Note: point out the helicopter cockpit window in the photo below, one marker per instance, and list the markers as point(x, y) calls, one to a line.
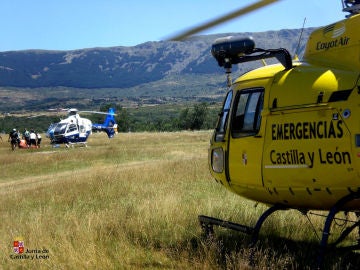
point(60, 129)
point(223, 117)
point(247, 116)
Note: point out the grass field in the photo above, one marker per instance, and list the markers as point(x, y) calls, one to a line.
point(132, 203)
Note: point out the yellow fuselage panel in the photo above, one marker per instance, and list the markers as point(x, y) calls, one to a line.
point(306, 84)
point(336, 45)
point(308, 153)
point(305, 153)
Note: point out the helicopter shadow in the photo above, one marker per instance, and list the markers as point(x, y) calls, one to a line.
point(232, 250)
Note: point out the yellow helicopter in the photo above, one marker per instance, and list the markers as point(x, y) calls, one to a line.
point(288, 134)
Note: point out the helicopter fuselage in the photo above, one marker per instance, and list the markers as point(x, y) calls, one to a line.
point(76, 130)
point(292, 136)
point(73, 129)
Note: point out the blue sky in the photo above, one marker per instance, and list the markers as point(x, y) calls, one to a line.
point(77, 24)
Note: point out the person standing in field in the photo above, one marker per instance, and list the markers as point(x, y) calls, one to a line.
point(13, 138)
point(33, 139)
point(26, 136)
point(38, 137)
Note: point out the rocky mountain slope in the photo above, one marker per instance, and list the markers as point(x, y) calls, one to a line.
point(126, 67)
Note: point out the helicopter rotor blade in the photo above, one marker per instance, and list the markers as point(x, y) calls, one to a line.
point(220, 20)
point(37, 115)
point(96, 112)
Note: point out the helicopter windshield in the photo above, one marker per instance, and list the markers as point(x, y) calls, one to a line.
point(223, 117)
point(60, 129)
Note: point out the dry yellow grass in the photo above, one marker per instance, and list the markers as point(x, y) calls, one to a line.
point(132, 203)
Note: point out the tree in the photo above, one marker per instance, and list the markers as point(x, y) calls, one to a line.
point(123, 120)
point(199, 116)
point(184, 122)
point(195, 119)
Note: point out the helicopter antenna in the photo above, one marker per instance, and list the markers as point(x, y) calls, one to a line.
point(300, 37)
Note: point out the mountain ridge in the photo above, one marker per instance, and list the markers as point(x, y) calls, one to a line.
point(148, 73)
point(123, 67)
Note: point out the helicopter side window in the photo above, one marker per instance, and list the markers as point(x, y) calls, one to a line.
point(82, 129)
point(72, 127)
point(247, 116)
point(223, 117)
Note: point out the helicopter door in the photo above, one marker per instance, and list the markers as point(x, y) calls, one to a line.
point(82, 131)
point(245, 143)
point(72, 131)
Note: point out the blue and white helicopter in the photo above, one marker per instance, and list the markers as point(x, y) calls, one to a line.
point(76, 129)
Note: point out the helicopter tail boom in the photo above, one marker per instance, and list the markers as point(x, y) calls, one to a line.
point(109, 125)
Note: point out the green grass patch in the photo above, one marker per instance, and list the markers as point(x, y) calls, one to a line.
point(132, 203)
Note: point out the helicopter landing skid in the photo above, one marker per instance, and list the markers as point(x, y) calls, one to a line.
point(207, 224)
point(326, 231)
point(68, 145)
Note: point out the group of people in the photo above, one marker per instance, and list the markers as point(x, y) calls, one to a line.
point(26, 140)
